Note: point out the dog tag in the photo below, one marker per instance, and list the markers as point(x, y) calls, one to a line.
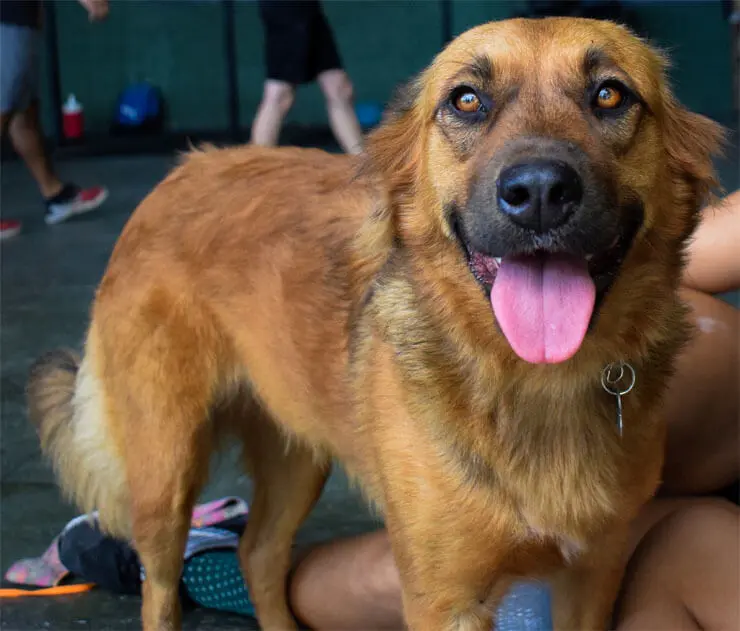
point(616, 383)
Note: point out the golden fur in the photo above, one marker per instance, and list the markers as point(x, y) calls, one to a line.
point(319, 307)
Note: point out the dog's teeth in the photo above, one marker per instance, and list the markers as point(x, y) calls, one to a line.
point(589, 257)
point(497, 259)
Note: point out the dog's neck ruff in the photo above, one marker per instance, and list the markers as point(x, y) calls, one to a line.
point(618, 382)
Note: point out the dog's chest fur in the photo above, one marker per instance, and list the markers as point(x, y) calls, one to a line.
point(551, 456)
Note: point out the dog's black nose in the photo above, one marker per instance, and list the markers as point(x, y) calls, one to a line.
point(539, 195)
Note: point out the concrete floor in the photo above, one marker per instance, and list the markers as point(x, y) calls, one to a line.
point(48, 279)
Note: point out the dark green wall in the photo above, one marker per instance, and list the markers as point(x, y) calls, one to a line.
point(178, 45)
point(174, 44)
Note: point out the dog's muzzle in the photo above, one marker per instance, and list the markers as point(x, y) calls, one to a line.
point(544, 236)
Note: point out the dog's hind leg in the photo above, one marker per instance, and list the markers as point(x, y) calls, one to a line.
point(163, 403)
point(288, 478)
point(167, 464)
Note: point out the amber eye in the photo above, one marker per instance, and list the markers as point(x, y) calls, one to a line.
point(609, 97)
point(467, 101)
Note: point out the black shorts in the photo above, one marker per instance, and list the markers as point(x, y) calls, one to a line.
point(299, 44)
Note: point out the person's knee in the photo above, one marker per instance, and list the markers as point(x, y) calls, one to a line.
point(704, 535)
point(684, 529)
point(337, 87)
point(681, 528)
point(387, 580)
point(26, 119)
point(660, 578)
point(706, 515)
point(278, 96)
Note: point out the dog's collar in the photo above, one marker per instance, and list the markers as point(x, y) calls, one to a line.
point(616, 382)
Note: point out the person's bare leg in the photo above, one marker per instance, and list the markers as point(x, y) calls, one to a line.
point(685, 572)
point(348, 584)
point(703, 402)
point(24, 129)
point(277, 99)
point(337, 89)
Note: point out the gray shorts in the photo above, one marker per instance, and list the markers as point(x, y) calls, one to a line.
point(19, 67)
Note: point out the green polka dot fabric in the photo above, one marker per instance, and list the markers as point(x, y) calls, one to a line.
point(214, 580)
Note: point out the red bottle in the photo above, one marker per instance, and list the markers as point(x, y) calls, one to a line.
point(73, 119)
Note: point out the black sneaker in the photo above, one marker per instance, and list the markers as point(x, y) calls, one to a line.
point(98, 558)
point(71, 201)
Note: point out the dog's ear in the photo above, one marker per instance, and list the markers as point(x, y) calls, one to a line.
point(391, 161)
point(692, 142)
point(393, 150)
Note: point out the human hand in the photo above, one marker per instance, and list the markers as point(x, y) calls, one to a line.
point(97, 10)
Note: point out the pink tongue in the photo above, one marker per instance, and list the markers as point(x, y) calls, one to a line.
point(543, 305)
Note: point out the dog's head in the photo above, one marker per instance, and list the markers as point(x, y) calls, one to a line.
point(541, 153)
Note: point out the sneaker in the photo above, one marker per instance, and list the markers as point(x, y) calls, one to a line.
point(9, 228)
point(86, 552)
point(71, 201)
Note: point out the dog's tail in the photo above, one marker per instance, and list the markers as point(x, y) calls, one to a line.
point(65, 405)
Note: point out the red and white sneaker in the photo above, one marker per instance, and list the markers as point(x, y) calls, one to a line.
point(9, 228)
point(73, 201)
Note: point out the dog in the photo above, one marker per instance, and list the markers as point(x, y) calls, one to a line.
point(456, 316)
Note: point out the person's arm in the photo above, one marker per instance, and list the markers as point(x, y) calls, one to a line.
point(714, 252)
point(96, 9)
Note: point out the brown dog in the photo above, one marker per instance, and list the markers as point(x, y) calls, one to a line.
point(437, 316)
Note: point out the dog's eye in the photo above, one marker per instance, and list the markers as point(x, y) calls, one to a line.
point(611, 97)
point(466, 101)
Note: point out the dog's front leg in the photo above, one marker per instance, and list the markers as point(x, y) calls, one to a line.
point(585, 592)
point(438, 601)
point(442, 590)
